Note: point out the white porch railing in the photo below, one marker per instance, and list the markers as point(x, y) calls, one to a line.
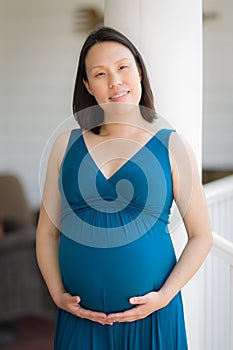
point(219, 195)
point(218, 289)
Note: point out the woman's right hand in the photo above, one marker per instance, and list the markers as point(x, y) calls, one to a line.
point(71, 304)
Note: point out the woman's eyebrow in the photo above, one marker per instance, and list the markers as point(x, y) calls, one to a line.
point(102, 66)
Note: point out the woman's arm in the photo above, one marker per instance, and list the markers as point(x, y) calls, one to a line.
point(190, 199)
point(48, 238)
point(48, 232)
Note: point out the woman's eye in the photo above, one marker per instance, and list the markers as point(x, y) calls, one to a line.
point(123, 67)
point(100, 74)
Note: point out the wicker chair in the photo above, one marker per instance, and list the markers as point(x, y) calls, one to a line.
point(22, 289)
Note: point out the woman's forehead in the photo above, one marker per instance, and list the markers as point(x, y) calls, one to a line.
point(108, 50)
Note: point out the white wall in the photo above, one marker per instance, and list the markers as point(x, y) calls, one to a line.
point(218, 86)
point(39, 50)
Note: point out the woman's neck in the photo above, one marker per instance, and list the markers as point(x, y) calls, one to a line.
point(121, 124)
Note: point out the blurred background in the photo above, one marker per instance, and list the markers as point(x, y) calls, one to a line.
point(39, 48)
point(217, 89)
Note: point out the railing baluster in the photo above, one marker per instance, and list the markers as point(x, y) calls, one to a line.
point(231, 307)
point(219, 267)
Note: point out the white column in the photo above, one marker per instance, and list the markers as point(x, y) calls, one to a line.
point(169, 36)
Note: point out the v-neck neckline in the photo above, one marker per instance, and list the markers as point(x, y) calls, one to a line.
point(123, 164)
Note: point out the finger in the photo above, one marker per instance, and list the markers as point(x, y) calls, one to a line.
point(127, 319)
point(115, 317)
point(76, 299)
point(137, 300)
point(92, 315)
point(122, 316)
point(134, 314)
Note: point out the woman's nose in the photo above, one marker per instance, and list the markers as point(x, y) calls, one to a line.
point(114, 80)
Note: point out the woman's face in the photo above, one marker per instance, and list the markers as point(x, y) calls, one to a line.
point(112, 74)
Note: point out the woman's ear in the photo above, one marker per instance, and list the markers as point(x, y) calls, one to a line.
point(85, 82)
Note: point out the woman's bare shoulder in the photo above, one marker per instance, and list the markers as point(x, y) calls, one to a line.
point(62, 139)
point(59, 147)
point(180, 147)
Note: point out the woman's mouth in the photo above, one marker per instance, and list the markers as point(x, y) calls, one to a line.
point(119, 97)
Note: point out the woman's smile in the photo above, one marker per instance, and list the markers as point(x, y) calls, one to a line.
point(119, 97)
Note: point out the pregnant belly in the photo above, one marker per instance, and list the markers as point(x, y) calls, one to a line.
point(105, 278)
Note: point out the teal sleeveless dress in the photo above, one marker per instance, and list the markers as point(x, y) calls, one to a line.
point(114, 245)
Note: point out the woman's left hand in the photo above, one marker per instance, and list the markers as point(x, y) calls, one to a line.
point(145, 305)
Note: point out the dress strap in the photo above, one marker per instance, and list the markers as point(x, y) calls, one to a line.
point(164, 135)
point(74, 135)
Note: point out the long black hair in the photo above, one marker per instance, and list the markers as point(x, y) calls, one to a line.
point(92, 118)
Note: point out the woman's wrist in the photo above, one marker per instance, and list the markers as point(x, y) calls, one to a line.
point(165, 297)
point(57, 297)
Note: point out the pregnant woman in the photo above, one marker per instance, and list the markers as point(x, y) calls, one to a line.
point(103, 243)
